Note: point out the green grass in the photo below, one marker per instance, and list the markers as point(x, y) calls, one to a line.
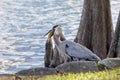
point(102, 75)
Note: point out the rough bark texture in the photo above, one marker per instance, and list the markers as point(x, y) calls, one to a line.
point(115, 45)
point(95, 30)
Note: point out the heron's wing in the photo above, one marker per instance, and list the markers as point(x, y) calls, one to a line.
point(76, 50)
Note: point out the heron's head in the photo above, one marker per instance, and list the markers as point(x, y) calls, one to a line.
point(55, 30)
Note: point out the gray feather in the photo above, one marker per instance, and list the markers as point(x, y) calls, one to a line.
point(78, 51)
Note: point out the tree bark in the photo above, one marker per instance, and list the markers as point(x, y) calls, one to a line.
point(95, 30)
point(115, 45)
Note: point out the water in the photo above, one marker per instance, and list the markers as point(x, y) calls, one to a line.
point(23, 22)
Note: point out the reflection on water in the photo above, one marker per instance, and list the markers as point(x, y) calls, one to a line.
point(23, 22)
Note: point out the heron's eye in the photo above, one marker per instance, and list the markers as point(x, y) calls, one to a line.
point(67, 46)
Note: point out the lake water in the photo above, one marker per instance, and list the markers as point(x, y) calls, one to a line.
point(23, 22)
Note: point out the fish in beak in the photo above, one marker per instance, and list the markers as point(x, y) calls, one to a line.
point(51, 32)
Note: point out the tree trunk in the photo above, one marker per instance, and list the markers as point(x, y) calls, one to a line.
point(115, 45)
point(95, 30)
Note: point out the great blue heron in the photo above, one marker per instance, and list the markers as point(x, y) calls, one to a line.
point(68, 49)
point(52, 56)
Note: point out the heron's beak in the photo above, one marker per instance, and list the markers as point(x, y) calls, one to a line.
point(49, 33)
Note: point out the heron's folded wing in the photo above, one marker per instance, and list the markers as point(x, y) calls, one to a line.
point(79, 51)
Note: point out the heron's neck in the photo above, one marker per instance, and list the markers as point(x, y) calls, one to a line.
point(62, 37)
point(57, 39)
